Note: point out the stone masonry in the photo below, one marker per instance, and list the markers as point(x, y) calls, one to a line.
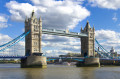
point(87, 43)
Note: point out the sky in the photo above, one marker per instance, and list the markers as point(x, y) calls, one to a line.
point(62, 14)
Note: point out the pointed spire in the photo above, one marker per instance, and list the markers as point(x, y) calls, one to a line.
point(32, 13)
point(112, 48)
point(87, 21)
point(40, 19)
point(26, 19)
point(81, 28)
point(87, 25)
point(93, 28)
point(33, 10)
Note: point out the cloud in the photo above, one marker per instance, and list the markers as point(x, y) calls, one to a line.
point(114, 17)
point(4, 38)
point(3, 25)
point(106, 34)
point(108, 38)
point(56, 52)
point(3, 21)
point(17, 49)
point(51, 48)
point(56, 45)
point(55, 14)
point(109, 4)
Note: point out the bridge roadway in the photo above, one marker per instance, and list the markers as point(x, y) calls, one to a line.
point(76, 58)
point(14, 57)
point(63, 33)
point(65, 57)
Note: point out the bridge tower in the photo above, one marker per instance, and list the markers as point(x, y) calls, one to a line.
point(87, 48)
point(33, 49)
point(87, 43)
point(33, 40)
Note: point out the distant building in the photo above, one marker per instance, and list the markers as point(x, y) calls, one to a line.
point(113, 53)
point(71, 55)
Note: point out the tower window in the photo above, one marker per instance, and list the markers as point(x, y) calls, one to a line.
point(35, 36)
point(35, 43)
point(36, 28)
point(35, 49)
point(34, 21)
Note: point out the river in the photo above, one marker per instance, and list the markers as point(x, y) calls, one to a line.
point(13, 71)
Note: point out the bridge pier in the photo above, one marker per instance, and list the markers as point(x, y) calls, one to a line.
point(34, 62)
point(89, 62)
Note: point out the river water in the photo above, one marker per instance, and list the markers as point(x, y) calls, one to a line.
point(13, 71)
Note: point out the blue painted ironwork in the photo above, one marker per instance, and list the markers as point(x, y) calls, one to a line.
point(13, 57)
point(12, 40)
point(105, 51)
point(15, 42)
point(73, 58)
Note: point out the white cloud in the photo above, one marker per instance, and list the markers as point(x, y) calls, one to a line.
point(3, 21)
point(107, 34)
point(57, 52)
point(4, 38)
point(115, 17)
point(55, 14)
point(108, 38)
point(3, 25)
point(22, 43)
point(56, 45)
point(48, 46)
point(17, 49)
point(109, 4)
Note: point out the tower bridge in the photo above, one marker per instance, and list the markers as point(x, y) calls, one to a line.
point(33, 41)
point(33, 50)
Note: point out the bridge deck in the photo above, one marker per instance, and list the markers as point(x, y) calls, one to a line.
point(17, 57)
point(63, 33)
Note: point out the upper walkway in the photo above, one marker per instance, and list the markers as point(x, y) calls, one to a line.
point(63, 33)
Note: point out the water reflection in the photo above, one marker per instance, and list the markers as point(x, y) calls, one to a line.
point(87, 72)
point(34, 73)
point(9, 71)
point(60, 72)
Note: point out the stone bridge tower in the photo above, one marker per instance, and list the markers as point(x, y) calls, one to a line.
point(87, 48)
point(87, 43)
point(33, 43)
point(33, 40)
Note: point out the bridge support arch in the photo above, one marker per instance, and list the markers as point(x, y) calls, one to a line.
point(33, 49)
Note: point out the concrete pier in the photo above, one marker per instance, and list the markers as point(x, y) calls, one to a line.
point(34, 62)
point(89, 62)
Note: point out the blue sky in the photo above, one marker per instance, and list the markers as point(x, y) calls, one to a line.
point(63, 14)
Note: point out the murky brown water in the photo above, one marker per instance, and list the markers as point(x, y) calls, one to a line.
point(13, 71)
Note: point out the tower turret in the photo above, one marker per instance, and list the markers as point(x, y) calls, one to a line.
point(93, 28)
point(32, 13)
point(81, 28)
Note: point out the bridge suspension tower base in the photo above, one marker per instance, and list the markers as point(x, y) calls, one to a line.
point(34, 62)
point(89, 62)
